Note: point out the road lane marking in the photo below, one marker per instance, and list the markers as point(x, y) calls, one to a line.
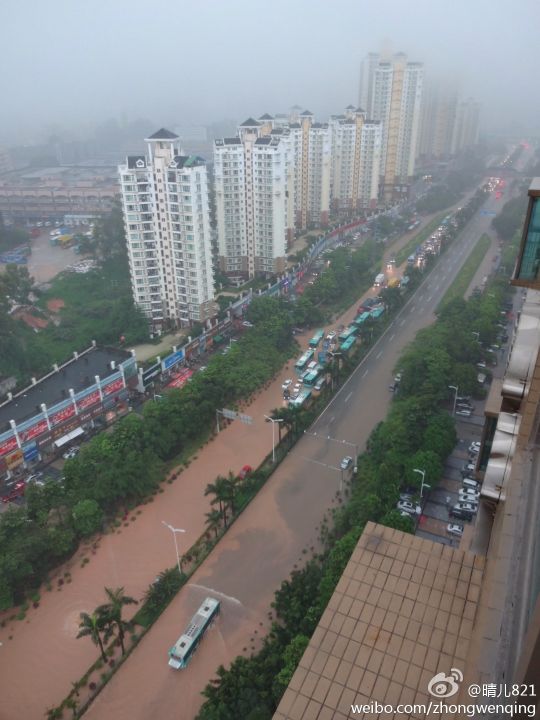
point(348, 397)
point(378, 355)
point(392, 336)
point(413, 308)
point(402, 322)
point(365, 373)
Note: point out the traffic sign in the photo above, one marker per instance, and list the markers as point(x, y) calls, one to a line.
point(246, 419)
point(229, 414)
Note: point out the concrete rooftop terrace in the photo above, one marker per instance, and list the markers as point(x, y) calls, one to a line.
point(402, 612)
point(76, 374)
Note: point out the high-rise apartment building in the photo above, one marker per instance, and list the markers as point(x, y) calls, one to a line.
point(252, 186)
point(439, 106)
point(356, 160)
point(392, 93)
point(466, 126)
point(166, 216)
point(311, 157)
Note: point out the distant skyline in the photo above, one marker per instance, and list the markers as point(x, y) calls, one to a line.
point(69, 66)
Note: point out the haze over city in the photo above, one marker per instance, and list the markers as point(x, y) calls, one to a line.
point(70, 65)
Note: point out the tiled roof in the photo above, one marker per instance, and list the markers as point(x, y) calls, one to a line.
point(163, 134)
point(401, 613)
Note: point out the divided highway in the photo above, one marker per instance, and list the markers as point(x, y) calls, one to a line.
point(278, 531)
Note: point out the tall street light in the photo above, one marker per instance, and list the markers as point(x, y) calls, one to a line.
point(455, 389)
point(273, 421)
point(423, 485)
point(174, 531)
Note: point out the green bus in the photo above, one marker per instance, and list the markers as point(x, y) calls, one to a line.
point(361, 319)
point(312, 376)
point(347, 333)
point(316, 339)
point(302, 361)
point(347, 345)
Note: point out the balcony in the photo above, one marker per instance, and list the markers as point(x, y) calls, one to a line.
point(528, 263)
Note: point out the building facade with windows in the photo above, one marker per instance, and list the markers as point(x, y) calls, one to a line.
point(252, 176)
point(356, 159)
point(392, 90)
point(466, 126)
point(166, 216)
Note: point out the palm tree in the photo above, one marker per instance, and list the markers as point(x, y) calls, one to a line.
point(93, 625)
point(111, 613)
point(213, 520)
point(221, 491)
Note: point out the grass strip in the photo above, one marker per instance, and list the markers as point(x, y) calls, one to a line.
point(458, 288)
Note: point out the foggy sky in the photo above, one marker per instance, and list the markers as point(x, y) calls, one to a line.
point(69, 63)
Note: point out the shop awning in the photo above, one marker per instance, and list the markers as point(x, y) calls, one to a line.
point(70, 436)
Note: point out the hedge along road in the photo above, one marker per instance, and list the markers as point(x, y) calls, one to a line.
point(267, 541)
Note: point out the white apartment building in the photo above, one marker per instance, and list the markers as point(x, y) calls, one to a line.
point(393, 91)
point(311, 151)
point(166, 216)
point(356, 161)
point(252, 178)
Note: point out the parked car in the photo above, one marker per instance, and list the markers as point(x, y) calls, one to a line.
point(247, 324)
point(17, 492)
point(471, 507)
point(461, 514)
point(286, 384)
point(34, 477)
point(71, 452)
point(470, 483)
point(453, 529)
point(346, 462)
point(464, 413)
point(331, 335)
point(244, 472)
point(409, 507)
point(467, 469)
point(468, 495)
point(474, 447)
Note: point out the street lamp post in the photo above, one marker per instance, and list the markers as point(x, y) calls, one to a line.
point(273, 421)
point(424, 484)
point(455, 389)
point(174, 531)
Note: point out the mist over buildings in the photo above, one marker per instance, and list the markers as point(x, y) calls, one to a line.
point(69, 66)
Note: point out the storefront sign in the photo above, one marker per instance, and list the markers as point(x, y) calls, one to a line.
point(62, 415)
point(34, 431)
point(173, 359)
point(30, 452)
point(8, 445)
point(14, 459)
point(88, 400)
point(113, 387)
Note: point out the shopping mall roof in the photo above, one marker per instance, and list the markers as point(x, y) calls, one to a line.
point(402, 612)
point(76, 374)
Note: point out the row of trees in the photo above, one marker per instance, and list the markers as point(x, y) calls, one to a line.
point(125, 465)
point(418, 432)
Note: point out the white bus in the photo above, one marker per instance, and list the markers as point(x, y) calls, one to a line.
point(182, 651)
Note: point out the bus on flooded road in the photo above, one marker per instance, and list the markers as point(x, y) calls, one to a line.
point(302, 361)
point(316, 339)
point(182, 651)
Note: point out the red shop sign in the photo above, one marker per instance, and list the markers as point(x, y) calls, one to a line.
point(32, 432)
point(117, 384)
point(8, 445)
point(62, 415)
point(88, 400)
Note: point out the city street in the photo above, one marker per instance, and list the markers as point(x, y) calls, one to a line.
point(278, 530)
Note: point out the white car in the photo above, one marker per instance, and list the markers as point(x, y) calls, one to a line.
point(71, 453)
point(464, 413)
point(286, 384)
point(474, 447)
point(346, 462)
point(409, 507)
point(247, 324)
point(468, 506)
point(331, 335)
point(454, 529)
point(467, 494)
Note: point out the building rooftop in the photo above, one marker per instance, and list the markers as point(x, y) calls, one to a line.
point(76, 374)
point(163, 134)
point(402, 612)
point(250, 122)
point(266, 116)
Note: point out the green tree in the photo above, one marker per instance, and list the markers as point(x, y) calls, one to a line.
point(87, 517)
point(92, 626)
point(111, 614)
point(291, 657)
point(394, 519)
